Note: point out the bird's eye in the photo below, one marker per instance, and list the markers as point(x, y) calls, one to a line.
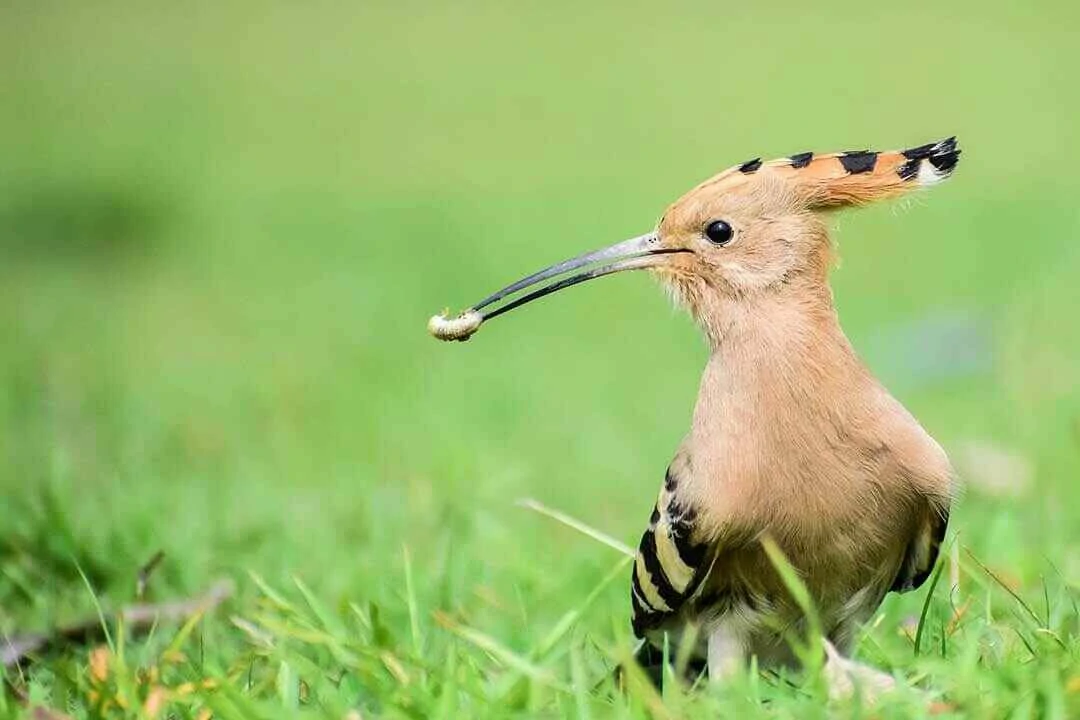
point(719, 232)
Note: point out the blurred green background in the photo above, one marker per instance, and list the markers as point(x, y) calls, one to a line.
point(224, 226)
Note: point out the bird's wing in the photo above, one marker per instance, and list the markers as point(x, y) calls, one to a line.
point(673, 557)
point(922, 552)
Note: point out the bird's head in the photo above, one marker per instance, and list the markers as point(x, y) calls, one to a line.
point(754, 229)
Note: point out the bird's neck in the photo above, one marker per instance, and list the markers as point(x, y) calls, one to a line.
point(802, 315)
point(778, 362)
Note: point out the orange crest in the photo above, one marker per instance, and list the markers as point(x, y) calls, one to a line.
point(847, 178)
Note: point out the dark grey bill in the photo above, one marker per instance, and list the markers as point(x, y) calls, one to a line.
point(633, 254)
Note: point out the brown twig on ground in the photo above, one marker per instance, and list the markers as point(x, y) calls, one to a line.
point(15, 649)
point(144, 573)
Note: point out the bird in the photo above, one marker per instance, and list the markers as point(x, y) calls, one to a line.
point(792, 439)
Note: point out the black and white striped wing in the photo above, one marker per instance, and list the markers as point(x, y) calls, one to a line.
point(672, 559)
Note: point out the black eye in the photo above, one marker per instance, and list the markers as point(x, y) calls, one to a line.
point(719, 232)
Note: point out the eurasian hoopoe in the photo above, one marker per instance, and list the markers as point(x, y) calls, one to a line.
point(792, 437)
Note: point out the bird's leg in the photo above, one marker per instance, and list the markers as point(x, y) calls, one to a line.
point(727, 651)
point(846, 677)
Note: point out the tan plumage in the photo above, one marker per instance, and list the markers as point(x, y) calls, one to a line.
point(791, 436)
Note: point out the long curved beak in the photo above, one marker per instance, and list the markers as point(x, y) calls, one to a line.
point(634, 254)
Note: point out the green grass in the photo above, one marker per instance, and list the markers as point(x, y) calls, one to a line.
point(222, 230)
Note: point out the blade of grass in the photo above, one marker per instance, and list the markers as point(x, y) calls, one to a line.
point(926, 605)
point(497, 650)
point(257, 635)
point(185, 631)
point(671, 684)
point(576, 524)
point(1046, 599)
point(327, 621)
point(993, 576)
point(687, 644)
point(1067, 590)
point(794, 584)
point(288, 686)
point(562, 627)
point(271, 594)
point(303, 634)
point(410, 599)
point(641, 688)
point(448, 700)
point(1024, 640)
point(1053, 636)
point(581, 684)
point(97, 608)
point(566, 622)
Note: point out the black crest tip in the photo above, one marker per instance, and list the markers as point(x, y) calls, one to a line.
point(858, 161)
point(945, 162)
point(908, 170)
point(942, 156)
point(750, 166)
point(801, 160)
point(923, 152)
